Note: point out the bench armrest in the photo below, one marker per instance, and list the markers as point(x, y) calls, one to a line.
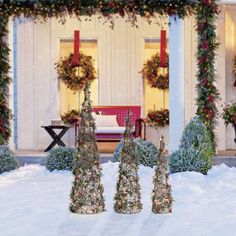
point(140, 125)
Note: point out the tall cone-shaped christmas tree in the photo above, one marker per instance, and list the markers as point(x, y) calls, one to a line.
point(127, 198)
point(162, 198)
point(87, 190)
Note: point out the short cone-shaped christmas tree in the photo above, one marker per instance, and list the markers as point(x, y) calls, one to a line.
point(127, 198)
point(162, 198)
point(87, 190)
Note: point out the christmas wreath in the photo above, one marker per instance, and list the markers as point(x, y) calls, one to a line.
point(152, 72)
point(75, 76)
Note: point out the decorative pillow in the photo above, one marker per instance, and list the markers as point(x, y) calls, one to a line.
point(106, 121)
point(94, 114)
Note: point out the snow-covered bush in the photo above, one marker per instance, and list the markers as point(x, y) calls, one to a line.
point(146, 152)
point(195, 149)
point(7, 159)
point(61, 158)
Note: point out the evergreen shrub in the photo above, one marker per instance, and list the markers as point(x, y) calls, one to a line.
point(61, 158)
point(145, 151)
point(7, 159)
point(195, 151)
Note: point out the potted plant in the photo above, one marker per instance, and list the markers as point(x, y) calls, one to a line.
point(229, 115)
point(71, 117)
point(158, 118)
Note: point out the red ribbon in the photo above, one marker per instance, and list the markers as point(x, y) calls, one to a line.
point(163, 49)
point(76, 48)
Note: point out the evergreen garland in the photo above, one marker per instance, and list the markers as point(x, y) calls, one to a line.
point(41, 9)
point(87, 190)
point(206, 13)
point(5, 113)
point(127, 198)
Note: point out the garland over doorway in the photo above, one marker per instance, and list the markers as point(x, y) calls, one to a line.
point(205, 10)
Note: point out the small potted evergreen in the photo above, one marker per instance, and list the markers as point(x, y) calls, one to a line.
point(229, 115)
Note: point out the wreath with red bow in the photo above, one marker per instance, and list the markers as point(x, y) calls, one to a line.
point(157, 76)
point(73, 76)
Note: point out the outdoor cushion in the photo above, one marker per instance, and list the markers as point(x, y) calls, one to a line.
point(106, 121)
point(110, 130)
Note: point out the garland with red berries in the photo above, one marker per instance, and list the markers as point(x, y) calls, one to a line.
point(206, 13)
point(5, 113)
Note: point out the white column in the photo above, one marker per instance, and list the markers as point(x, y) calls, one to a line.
point(177, 114)
point(225, 26)
point(11, 87)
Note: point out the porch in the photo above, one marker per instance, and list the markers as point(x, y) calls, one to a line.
point(27, 157)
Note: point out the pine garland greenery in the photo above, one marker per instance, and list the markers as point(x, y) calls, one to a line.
point(5, 113)
point(206, 13)
point(41, 9)
point(87, 189)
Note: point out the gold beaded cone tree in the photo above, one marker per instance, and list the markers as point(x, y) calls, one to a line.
point(127, 198)
point(161, 198)
point(87, 190)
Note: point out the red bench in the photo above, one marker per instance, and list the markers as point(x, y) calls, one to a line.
point(121, 113)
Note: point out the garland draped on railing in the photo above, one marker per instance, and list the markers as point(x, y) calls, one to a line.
point(206, 13)
point(5, 113)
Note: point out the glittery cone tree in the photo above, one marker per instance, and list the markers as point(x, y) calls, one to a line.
point(127, 198)
point(162, 198)
point(87, 190)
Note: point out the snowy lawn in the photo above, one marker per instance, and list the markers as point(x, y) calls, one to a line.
point(35, 202)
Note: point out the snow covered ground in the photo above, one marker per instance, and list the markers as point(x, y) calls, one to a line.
point(35, 202)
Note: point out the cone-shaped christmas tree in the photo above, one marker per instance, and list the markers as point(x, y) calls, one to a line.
point(127, 198)
point(87, 190)
point(162, 198)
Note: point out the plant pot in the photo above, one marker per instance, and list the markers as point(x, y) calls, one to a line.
point(234, 125)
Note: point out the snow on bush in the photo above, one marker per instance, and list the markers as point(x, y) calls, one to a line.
point(145, 151)
point(7, 159)
point(195, 149)
point(61, 158)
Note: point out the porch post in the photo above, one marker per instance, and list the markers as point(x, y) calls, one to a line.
point(11, 86)
point(176, 82)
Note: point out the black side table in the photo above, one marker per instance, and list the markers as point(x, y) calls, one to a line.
point(56, 137)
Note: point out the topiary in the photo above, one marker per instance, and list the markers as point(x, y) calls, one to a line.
point(195, 151)
point(61, 158)
point(7, 159)
point(145, 151)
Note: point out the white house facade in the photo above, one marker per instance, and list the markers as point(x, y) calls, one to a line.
point(36, 95)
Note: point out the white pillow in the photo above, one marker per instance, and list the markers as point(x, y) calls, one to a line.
point(106, 121)
point(94, 115)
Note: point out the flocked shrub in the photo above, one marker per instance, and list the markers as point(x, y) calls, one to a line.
point(195, 151)
point(146, 152)
point(61, 158)
point(7, 159)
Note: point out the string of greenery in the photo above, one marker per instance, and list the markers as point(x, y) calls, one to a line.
point(5, 113)
point(61, 8)
point(206, 14)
